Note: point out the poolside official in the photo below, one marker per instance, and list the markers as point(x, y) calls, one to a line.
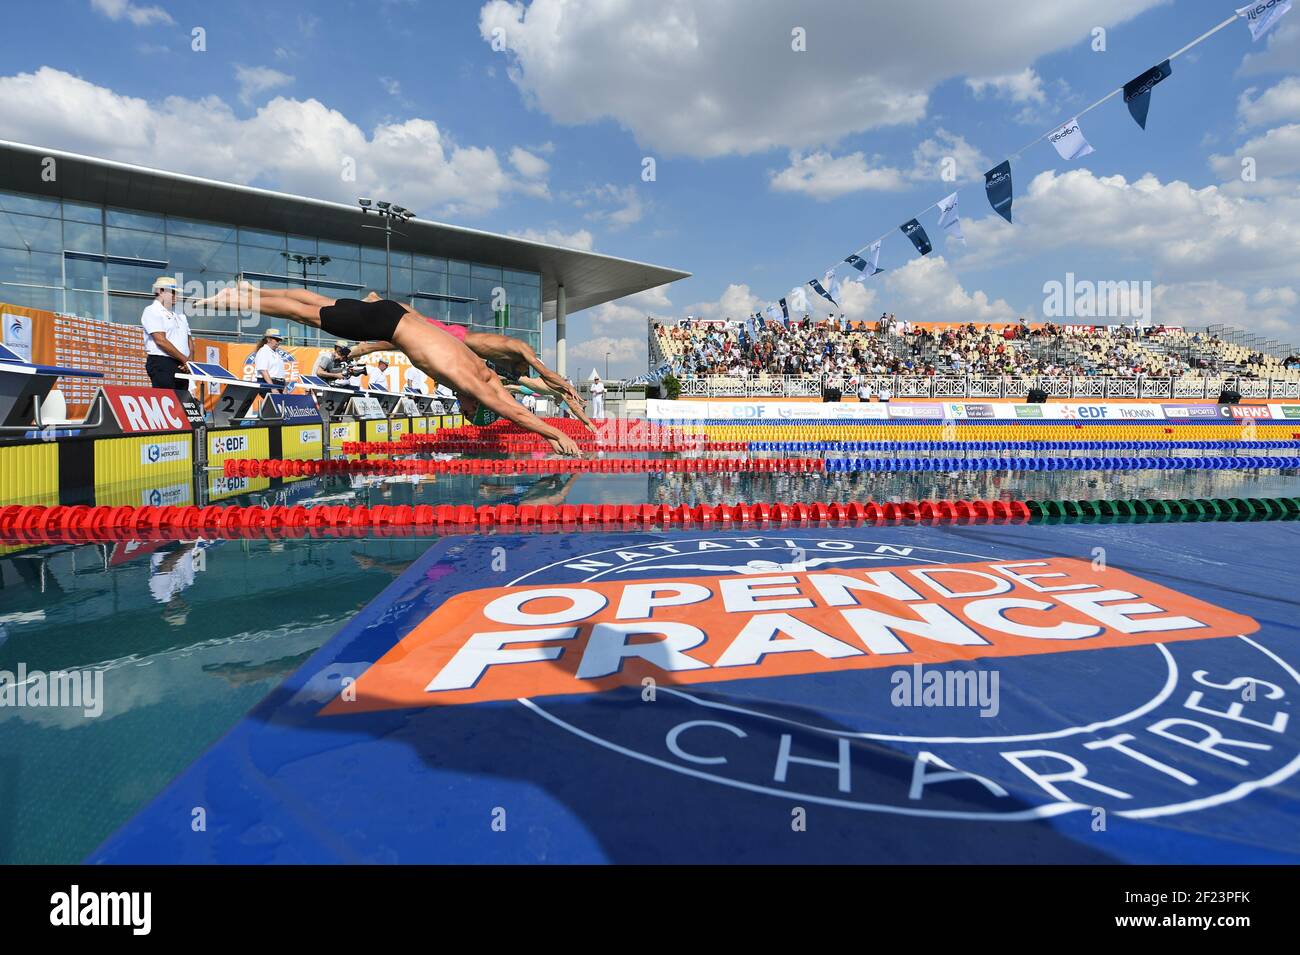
point(167, 344)
point(268, 365)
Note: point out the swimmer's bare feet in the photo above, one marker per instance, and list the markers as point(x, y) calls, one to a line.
point(241, 298)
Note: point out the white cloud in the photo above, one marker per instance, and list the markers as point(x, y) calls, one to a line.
point(140, 16)
point(1170, 231)
point(1197, 304)
point(580, 240)
point(616, 206)
point(721, 78)
point(1280, 102)
point(300, 146)
point(823, 176)
point(533, 170)
point(1276, 153)
point(628, 314)
point(736, 302)
point(620, 350)
point(930, 155)
point(255, 80)
point(926, 289)
point(1023, 87)
point(528, 164)
point(1281, 55)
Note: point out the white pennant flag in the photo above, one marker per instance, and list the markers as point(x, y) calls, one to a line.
point(1068, 140)
point(873, 256)
point(1263, 15)
point(949, 221)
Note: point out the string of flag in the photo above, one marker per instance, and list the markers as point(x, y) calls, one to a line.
point(1068, 140)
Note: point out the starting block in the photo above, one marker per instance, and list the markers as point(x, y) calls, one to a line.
point(24, 386)
point(388, 400)
point(418, 403)
point(236, 397)
point(331, 399)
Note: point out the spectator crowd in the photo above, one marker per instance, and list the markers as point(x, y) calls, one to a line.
point(840, 350)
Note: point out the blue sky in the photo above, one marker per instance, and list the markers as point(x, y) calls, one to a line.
point(770, 164)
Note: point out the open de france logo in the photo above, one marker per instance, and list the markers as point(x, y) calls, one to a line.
point(870, 675)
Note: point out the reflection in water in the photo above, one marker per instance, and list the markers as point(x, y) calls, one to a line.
point(191, 634)
point(177, 670)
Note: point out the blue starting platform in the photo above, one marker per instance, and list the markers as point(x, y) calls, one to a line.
point(910, 694)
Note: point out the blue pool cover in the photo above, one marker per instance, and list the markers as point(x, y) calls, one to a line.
point(910, 694)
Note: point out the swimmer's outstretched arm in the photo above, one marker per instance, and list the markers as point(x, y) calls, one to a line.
point(491, 345)
point(465, 374)
point(541, 387)
point(366, 348)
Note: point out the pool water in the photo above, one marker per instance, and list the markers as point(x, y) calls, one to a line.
point(191, 635)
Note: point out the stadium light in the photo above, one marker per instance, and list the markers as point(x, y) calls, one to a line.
point(388, 211)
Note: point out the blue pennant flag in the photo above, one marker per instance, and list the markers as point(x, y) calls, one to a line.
point(1137, 91)
point(785, 312)
point(817, 287)
point(913, 230)
point(997, 184)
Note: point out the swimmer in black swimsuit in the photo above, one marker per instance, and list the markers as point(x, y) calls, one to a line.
point(510, 357)
point(433, 351)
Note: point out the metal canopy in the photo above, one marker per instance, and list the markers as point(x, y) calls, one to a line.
point(588, 277)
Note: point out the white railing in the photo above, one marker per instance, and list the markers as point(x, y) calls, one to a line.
point(947, 386)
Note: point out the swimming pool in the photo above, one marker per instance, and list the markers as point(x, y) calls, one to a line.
point(190, 635)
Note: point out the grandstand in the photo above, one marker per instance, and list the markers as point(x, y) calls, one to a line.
point(975, 360)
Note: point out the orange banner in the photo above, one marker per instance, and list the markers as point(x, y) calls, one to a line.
point(503, 643)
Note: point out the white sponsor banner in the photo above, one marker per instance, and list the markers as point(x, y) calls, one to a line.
point(931, 411)
point(165, 452)
point(17, 335)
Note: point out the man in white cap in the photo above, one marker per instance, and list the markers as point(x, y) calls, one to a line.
point(167, 344)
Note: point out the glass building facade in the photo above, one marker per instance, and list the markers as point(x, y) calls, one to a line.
point(99, 262)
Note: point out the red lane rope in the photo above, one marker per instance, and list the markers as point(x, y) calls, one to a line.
point(273, 467)
point(37, 523)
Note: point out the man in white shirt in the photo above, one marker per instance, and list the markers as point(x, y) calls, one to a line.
point(597, 397)
point(416, 379)
point(167, 336)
